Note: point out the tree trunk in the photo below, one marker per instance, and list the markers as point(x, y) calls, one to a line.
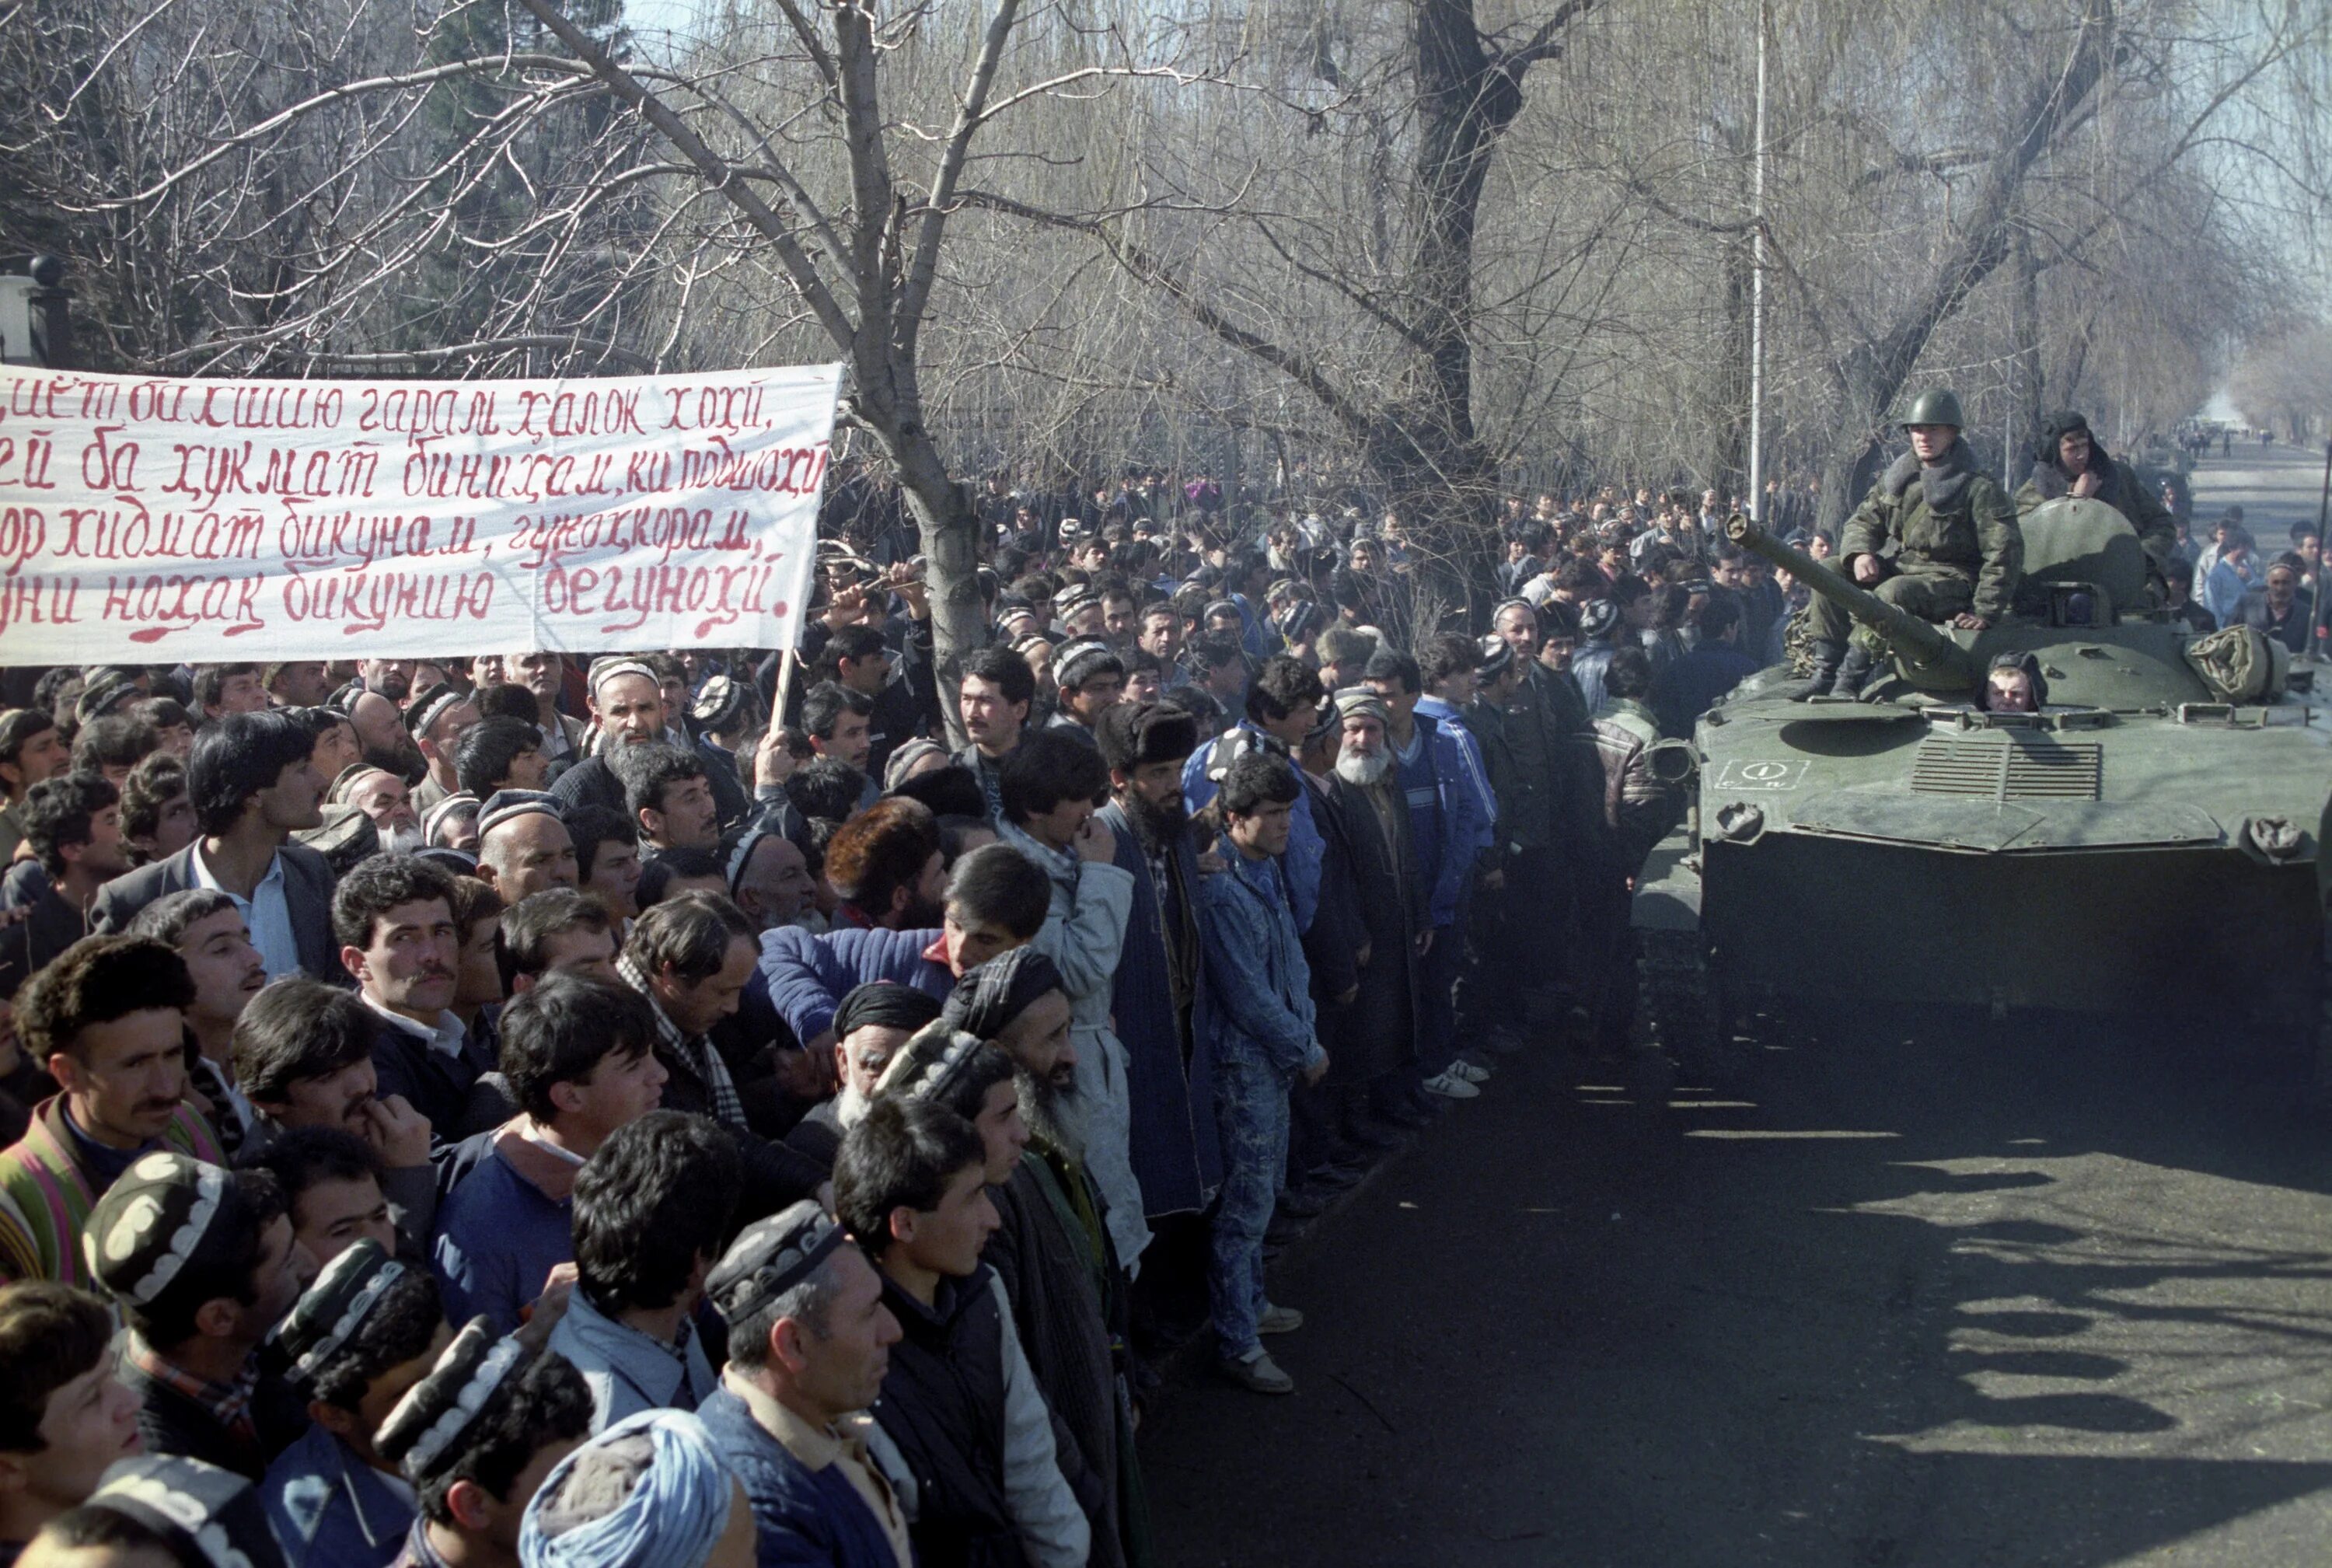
point(1873, 375)
point(2028, 384)
point(1728, 468)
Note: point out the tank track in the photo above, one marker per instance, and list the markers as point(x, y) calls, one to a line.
point(1684, 1009)
point(1679, 994)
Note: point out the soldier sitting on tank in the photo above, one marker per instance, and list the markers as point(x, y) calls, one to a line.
point(2070, 462)
point(2014, 684)
point(1959, 553)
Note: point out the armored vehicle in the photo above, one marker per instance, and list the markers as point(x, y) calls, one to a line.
point(2144, 845)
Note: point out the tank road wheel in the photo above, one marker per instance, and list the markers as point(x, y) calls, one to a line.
point(1686, 1008)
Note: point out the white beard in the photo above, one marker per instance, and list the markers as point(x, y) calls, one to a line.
point(403, 839)
point(1355, 769)
point(850, 1106)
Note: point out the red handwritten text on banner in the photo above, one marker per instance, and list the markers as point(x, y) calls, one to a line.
point(144, 518)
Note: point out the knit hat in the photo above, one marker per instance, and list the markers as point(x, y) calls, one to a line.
point(1081, 661)
point(1301, 621)
point(909, 753)
point(431, 706)
point(769, 1258)
point(454, 805)
point(208, 1514)
point(152, 1221)
point(506, 805)
point(428, 1422)
point(1360, 702)
point(328, 1314)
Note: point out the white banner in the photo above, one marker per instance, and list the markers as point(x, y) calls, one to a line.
point(154, 521)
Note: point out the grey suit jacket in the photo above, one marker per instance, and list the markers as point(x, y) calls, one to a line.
point(306, 892)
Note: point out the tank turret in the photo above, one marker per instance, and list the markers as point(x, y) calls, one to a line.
point(1928, 659)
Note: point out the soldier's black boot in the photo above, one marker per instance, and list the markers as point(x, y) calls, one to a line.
point(1853, 671)
point(1826, 657)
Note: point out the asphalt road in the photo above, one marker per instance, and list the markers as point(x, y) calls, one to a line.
point(1927, 1292)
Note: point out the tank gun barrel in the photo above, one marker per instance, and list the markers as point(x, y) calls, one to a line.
point(1929, 660)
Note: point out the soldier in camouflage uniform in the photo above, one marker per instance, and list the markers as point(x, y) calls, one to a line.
point(1959, 553)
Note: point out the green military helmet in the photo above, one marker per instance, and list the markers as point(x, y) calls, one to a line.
point(1935, 406)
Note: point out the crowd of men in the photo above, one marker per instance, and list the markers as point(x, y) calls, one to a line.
point(517, 1109)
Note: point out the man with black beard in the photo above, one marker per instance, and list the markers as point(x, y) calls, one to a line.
point(1176, 1154)
point(1050, 1249)
point(1375, 1034)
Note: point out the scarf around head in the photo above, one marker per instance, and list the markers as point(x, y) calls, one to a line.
point(675, 1513)
point(986, 1001)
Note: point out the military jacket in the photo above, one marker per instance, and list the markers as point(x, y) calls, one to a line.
point(1952, 519)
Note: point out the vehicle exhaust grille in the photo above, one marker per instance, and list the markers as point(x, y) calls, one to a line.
point(2028, 768)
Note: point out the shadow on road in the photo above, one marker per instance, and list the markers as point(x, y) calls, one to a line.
point(1923, 1293)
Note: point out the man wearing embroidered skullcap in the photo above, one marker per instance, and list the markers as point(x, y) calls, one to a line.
point(203, 1264)
point(809, 1342)
point(475, 1439)
point(437, 720)
point(357, 1341)
point(158, 1511)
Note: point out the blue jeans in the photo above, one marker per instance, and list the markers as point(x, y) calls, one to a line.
point(1437, 979)
point(1251, 1109)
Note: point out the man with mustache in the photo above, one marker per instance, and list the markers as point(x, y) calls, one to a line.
point(870, 1026)
point(105, 1019)
point(627, 703)
point(393, 917)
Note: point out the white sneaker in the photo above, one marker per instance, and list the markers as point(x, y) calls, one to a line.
point(1472, 1072)
point(1450, 1086)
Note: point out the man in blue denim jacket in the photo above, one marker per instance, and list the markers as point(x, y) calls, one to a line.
point(1261, 1031)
